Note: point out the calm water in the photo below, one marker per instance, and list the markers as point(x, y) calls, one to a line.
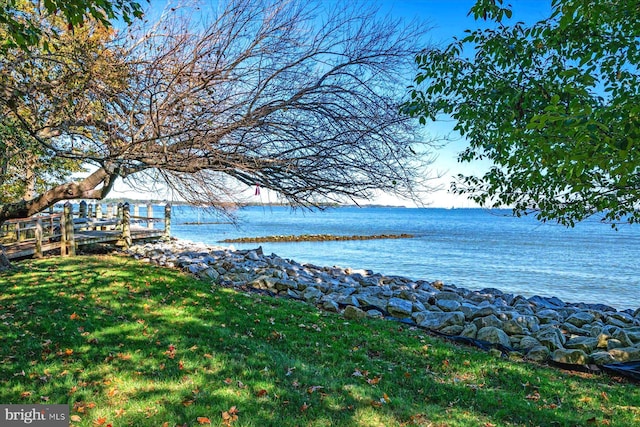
point(471, 248)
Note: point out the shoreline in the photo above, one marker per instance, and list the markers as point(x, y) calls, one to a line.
point(540, 328)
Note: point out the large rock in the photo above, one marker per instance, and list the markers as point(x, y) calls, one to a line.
point(538, 353)
point(528, 342)
point(601, 358)
point(491, 320)
point(448, 305)
point(352, 313)
point(399, 307)
point(368, 299)
point(620, 319)
point(438, 320)
point(571, 357)
point(546, 302)
point(548, 316)
point(494, 335)
point(312, 294)
point(625, 354)
point(586, 344)
point(551, 337)
point(580, 318)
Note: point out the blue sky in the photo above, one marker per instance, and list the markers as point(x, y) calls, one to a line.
point(447, 19)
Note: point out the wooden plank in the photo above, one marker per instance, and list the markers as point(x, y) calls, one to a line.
point(27, 248)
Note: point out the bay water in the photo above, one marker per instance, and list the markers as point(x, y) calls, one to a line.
point(470, 248)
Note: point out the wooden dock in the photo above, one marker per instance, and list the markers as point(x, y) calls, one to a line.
point(67, 231)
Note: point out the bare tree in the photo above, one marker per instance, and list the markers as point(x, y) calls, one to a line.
point(286, 94)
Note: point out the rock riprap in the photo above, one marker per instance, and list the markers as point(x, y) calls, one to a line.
point(538, 327)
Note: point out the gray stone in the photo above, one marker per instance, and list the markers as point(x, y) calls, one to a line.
point(418, 306)
point(331, 305)
point(438, 320)
point(369, 299)
point(601, 358)
point(625, 354)
point(620, 319)
point(493, 335)
point(312, 294)
point(512, 327)
point(293, 294)
point(406, 294)
point(375, 314)
point(285, 284)
point(454, 330)
point(613, 343)
point(210, 273)
point(621, 335)
point(633, 334)
point(574, 330)
point(468, 309)
point(348, 300)
point(448, 295)
point(548, 316)
point(546, 302)
point(448, 305)
point(586, 344)
point(399, 307)
point(580, 318)
point(551, 337)
point(538, 353)
point(484, 311)
point(470, 330)
point(492, 320)
point(528, 342)
point(571, 356)
point(528, 321)
point(352, 313)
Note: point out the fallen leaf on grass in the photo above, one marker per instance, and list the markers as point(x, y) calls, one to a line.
point(535, 396)
point(261, 393)
point(99, 421)
point(304, 407)
point(203, 420)
point(314, 388)
point(230, 416)
point(374, 380)
point(75, 418)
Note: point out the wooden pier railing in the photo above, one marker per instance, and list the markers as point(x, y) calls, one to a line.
point(67, 230)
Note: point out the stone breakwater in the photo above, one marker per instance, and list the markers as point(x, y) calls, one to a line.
point(315, 238)
point(540, 328)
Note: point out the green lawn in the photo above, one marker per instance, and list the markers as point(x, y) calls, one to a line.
point(129, 344)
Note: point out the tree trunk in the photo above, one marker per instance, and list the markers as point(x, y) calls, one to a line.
point(5, 264)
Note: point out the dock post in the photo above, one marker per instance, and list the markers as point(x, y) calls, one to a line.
point(120, 215)
point(109, 210)
point(98, 214)
point(82, 209)
point(68, 244)
point(38, 253)
point(167, 221)
point(90, 210)
point(126, 225)
point(136, 210)
point(19, 235)
point(149, 215)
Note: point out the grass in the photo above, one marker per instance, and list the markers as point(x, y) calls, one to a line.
point(129, 344)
